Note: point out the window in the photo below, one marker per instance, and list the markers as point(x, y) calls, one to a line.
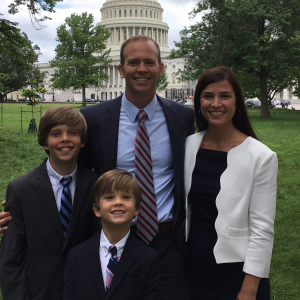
point(173, 66)
point(111, 14)
point(146, 13)
point(141, 13)
point(130, 12)
point(125, 13)
point(174, 79)
point(154, 15)
point(120, 13)
point(136, 12)
point(130, 33)
point(115, 13)
point(150, 13)
point(125, 35)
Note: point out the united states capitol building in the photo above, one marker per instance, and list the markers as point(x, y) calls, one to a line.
point(124, 19)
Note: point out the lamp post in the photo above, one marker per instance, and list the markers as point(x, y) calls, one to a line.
point(52, 89)
point(97, 90)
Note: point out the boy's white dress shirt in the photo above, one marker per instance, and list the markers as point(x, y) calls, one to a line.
point(105, 254)
point(57, 187)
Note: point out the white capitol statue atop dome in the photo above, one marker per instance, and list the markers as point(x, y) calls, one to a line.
point(127, 18)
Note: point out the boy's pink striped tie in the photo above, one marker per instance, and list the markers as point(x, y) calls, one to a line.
point(111, 267)
point(147, 224)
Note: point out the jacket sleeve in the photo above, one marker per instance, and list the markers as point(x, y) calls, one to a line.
point(13, 248)
point(69, 291)
point(152, 287)
point(261, 217)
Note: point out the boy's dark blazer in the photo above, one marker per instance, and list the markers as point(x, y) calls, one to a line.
point(136, 278)
point(33, 252)
point(100, 152)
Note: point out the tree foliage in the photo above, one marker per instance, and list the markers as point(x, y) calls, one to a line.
point(35, 7)
point(17, 58)
point(257, 39)
point(81, 55)
point(162, 82)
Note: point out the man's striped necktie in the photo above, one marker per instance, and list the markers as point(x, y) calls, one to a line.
point(147, 224)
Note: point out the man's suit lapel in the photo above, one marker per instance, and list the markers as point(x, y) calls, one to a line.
point(92, 261)
point(110, 126)
point(46, 195)
point(77, 203)
point(131, 250)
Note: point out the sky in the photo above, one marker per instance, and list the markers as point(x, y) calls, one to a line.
point(175, 15)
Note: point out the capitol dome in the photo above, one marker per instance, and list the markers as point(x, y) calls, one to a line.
point(127, 18)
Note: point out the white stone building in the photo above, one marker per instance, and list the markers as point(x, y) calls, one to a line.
point(124, 19)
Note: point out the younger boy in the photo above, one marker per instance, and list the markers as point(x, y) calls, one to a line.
point(114, 264)
point(51, 209)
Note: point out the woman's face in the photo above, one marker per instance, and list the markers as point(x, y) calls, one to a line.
point(218, 103)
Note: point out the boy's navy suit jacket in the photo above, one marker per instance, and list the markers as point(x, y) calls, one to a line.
point(136, 277)
point(33, 251)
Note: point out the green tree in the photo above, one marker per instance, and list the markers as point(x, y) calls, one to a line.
point(17, 58)
point(81, 55)
point(257, 39)
point(35, 7)
point(162, 82)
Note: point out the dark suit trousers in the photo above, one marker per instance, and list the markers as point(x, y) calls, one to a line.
point(173, 281)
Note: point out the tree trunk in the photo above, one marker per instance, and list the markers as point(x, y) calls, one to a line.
point(83, 96)
point(264, 110)
point(2, 97)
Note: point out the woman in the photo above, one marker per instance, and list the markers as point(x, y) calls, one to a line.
point(230, 192)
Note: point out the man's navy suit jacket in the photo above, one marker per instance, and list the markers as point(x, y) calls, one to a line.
point(136, 278)
point(100, 152)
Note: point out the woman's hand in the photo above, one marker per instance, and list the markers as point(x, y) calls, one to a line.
point(5, 217)
point(249, 288)
point(244, 296)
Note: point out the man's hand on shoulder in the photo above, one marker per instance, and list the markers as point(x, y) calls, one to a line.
point(5, 218)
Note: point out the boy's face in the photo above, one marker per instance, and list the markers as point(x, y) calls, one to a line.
point(64, 144)
point(116, 208)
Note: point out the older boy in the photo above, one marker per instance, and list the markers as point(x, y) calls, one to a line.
point(51, 209)
point(114, 264)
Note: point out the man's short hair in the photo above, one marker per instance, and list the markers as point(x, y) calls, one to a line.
point(116, 180)
point(61, 115)
point(136, 38)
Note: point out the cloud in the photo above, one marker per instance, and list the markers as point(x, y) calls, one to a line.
point(175, 15)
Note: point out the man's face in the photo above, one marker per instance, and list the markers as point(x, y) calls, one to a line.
point(141, 69)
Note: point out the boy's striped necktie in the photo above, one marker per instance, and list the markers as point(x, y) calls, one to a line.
point(111, 267)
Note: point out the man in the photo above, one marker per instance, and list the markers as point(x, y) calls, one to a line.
point(112, 130)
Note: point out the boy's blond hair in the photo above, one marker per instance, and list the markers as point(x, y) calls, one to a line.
point(116, 180)
point(61, 115)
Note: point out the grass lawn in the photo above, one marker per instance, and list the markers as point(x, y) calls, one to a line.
point(20, 153)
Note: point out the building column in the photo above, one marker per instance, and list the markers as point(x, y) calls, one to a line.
point(115, 35)
point(152, 31)
point(167, 38)
point(146, 29)
point(140, 31)
point(127, 33)
point(113, 75)
point(120, 30)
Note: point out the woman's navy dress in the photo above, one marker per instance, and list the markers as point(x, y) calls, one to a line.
point(209, 280)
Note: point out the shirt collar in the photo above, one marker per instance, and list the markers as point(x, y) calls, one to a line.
point(55, 177)
point(105, 244)
point(132, 110)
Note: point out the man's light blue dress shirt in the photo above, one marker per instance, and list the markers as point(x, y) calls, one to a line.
point(161, 152)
